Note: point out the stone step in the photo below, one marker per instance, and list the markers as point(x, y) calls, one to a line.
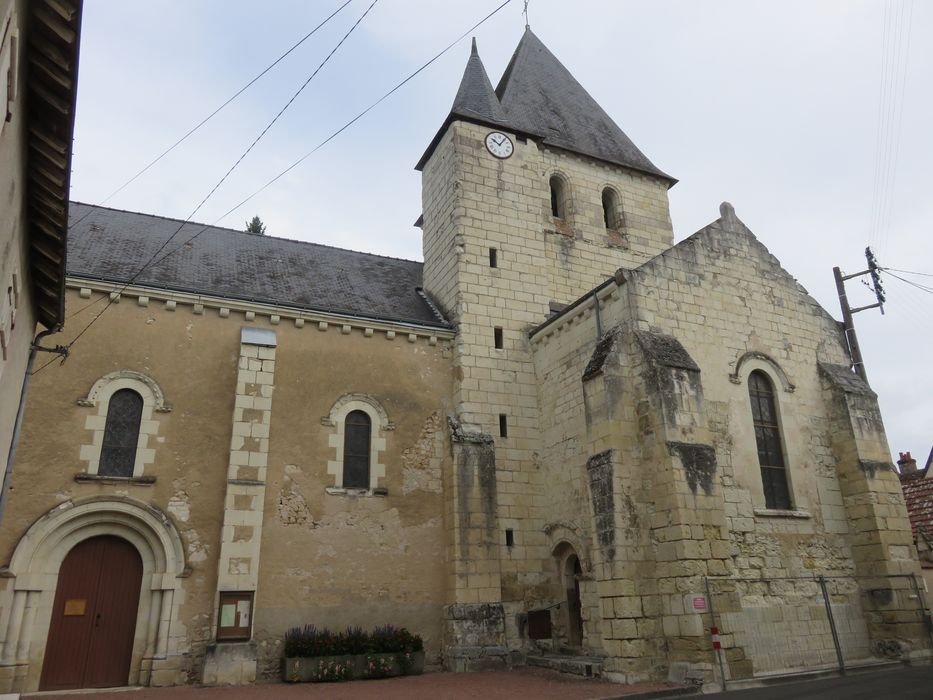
point(586, 666)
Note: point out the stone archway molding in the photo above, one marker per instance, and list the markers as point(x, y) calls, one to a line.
point(38, 555)
point(129, 378)
point(736, 376)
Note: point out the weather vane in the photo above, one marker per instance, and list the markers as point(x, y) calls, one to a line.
point(525, 12)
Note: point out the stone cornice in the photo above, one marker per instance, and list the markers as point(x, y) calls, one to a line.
point(247, 311)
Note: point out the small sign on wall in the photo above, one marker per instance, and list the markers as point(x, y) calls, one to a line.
point(75, 607)
point(699, 603)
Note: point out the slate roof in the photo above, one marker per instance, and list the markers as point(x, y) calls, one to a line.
point(475, 98)
point(538, 96)
point(112, 245)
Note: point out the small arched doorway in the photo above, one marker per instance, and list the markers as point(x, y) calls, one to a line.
point(93, 624)
point(571, 576)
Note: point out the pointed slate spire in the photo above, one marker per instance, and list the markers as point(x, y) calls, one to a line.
point(475, 98)
point(476, 101)
point(541, 97)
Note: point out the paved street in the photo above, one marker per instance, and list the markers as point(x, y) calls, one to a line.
point(902, 684)
point(509, 685)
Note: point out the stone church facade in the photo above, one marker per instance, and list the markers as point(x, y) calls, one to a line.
point(561, 432)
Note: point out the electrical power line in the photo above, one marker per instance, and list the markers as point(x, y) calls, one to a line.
point(239, 160)
point(337, 132)
point(924, 288)
point(365, 111)
point(895, 57)
point(907, 272)
point(216, 111)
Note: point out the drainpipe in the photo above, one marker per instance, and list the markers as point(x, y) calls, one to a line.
point(34, 349)
point(599, 325)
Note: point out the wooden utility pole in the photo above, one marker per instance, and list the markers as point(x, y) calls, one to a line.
point(847, 312)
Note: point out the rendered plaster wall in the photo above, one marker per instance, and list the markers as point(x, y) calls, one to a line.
point(332, 558)
point(327, 558)
point(16, 304)
point(193, 359)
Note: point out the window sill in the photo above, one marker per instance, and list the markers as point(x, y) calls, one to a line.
point(340, 491)
point(773, 513)
point(83, 477)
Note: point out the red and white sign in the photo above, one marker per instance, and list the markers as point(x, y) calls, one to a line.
point(699, 603)
point(714, 632)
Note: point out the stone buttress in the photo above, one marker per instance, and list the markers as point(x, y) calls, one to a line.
point(232, 663)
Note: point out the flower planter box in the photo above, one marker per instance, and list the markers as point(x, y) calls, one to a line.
point(322, 669)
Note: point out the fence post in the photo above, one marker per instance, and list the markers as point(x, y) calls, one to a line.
point(712, 622)
point(832, 624)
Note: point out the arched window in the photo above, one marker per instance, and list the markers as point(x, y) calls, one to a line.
point(768, 438)
point(612, 210)
point(558, 197)
point(356, 447)
point(121, 434)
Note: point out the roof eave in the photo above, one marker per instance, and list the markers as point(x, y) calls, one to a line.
point(51, 95)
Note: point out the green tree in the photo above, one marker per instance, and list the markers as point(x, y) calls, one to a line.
point(256, 226)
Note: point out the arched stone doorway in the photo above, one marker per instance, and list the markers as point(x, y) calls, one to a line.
point(90, 642)
point(569, 574)
point(34, 572)
point(572, 572)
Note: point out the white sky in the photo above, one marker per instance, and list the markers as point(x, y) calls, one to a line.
point(774, 107)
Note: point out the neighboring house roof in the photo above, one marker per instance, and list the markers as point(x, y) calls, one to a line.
point(113, 245)
point(918, 495)
point(538, 96)
point(51, 53)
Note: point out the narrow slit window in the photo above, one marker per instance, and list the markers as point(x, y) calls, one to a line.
point(121, 434)
point(497, 337)
point(503, 425)
point(493, 257)
point(768, 439)
point(356, 445)
point(558, 197)
point(612, 209)
point(509, 538)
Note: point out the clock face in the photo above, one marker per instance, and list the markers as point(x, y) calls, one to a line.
point(499, 144)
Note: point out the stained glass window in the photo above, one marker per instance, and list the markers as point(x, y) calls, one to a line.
point(357, 428)
point(121, 434)
point(768, 438)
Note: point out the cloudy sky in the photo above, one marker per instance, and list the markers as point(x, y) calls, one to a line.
point(812, 118)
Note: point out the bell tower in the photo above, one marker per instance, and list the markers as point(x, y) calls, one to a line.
point(532, 196)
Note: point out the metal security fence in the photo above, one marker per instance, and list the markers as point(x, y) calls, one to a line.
point(784, 625)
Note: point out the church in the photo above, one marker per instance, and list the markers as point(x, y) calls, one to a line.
point(562, 438)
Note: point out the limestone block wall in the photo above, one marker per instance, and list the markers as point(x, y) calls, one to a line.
point(472, 203)
point(732, 308)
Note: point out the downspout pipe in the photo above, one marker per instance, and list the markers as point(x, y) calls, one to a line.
point(34, 349)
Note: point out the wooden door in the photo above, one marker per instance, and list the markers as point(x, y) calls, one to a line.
point(94, 616)
point(574, 607)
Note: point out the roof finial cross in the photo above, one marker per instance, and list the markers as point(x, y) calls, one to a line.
point(525, 12)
